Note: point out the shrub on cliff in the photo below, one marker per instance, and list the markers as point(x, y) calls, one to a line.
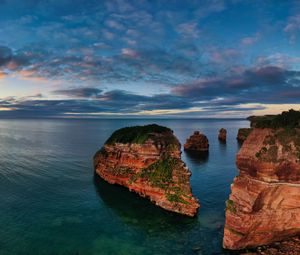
point(287, 119)
point(136, 134)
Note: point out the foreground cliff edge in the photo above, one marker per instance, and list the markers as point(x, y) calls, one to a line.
point(264, 204)
point(147, 160)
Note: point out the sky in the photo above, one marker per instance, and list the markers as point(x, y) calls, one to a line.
point(148, 58)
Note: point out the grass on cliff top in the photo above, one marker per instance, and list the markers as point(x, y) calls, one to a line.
point(244, 131)
point(288, 119)
point(136, 134)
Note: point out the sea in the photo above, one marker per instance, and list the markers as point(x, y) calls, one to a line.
point(52, 203)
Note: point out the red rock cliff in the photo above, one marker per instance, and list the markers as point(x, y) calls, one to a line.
point(243, 134)
point(264, 205)
point(222, 134)
point(152, 168)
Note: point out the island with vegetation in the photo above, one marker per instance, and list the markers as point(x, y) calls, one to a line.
point(147, 160)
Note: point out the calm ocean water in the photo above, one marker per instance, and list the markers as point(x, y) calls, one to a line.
point(52, 204)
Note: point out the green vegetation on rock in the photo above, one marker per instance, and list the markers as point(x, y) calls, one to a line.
point(176, 198)
point(288, 119)
point(122, 171)
point(240, 234)
point(160, 175)
point(268, 154)
point(288, 138)
point(230, 206)
point(136, 134)
point(243, 133)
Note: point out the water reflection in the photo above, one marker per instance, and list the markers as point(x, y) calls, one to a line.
point(198, 157)
point(222, 141)
point(140, 212)
point(222, 147)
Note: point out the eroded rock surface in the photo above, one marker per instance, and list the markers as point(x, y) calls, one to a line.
point(264, 205)
point(197, 142)
point(290, 246)
point(147, 160)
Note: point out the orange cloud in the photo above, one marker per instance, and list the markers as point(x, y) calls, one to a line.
point(2, 75)
point(31, 75)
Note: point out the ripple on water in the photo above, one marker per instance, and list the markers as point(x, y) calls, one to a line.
point(51, 202)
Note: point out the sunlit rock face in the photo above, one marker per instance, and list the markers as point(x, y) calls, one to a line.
point(264, 204)
point(147, 160)
point(197, 142)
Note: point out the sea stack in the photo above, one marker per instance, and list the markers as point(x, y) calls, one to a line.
point(147, 160)
point(222, 134)
point(197, 142)
point(243, 134)
point(264, 204)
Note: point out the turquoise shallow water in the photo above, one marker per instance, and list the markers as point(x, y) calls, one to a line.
point(52, 204)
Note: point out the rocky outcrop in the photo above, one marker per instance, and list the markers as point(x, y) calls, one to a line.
point(264, 204)
point(147, 160)
point(196, 142)
point(290, 246)
point(243, 134)
point(222, 134)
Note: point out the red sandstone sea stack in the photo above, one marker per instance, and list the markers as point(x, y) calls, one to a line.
point(147, 160)
point(222, 134)
point(197, 142)
point(264, 204)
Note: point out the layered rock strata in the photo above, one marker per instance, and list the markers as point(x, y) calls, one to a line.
point(147, 160)
point(264, 204)
point(197, 142)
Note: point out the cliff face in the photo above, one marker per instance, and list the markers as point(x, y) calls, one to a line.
point(243, 134)
point(197, 142)
point(264, 205)
point(152, 168)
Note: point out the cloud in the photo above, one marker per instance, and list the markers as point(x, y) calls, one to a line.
point(250, 40)
point(79, 92)
point(2, 75)
point(255, 85)
point(188, 29)
point(223, 56)
point(129, 53)
point(293, 27)
point(278, 59)
point(86, 64)
point(211, 7)
point(5, 55)
point(180, 47)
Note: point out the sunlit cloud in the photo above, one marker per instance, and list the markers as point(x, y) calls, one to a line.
point(148, 58)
